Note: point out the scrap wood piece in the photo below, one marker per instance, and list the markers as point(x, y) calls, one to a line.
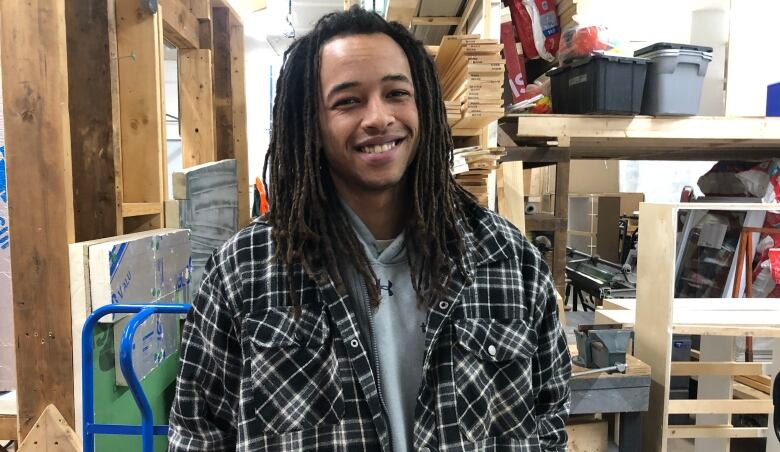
point(51, 434)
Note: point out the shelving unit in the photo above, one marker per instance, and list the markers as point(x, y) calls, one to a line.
point(540, 140)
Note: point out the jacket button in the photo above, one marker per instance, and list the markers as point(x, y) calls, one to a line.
point(443, 305)
point(492, 350)
point(354, 343)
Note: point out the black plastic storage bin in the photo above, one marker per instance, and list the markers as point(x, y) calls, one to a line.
point(599, 84)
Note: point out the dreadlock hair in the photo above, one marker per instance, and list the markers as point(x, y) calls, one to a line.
point(309, 225)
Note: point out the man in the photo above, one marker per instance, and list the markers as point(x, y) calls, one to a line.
point(376, 306)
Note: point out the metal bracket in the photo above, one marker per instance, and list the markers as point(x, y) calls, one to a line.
point(149, 5)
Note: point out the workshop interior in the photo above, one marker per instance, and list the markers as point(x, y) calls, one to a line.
point(634, 143)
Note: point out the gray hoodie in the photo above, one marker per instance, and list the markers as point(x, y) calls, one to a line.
point(395, 332)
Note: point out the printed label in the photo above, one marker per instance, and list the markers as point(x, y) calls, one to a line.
point(578, 79)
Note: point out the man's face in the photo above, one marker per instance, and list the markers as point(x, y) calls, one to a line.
point(367, 113)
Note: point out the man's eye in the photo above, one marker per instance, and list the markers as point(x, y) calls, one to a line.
point(399, 93)
point(345, 102)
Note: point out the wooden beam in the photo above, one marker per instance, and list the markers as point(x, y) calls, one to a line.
point(180, 26)
point(201, 8)
point(436, 21)
point(465, 17)
point(230, 102)
point(226, 4)
point(223, 89)
point(401, 11)
point(93, 98)
point(716, 431)
point(511, 194)
point(720, 406)
point(757, 385)
point(40, 202)
point(652, 338)
point(196, 107)
point(240, 144)
point(141, 99)
point(714, 368)
point(137, 209)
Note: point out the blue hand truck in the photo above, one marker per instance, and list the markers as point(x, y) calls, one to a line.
point(147, 429)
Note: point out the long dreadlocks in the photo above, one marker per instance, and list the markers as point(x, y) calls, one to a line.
point(309, 224)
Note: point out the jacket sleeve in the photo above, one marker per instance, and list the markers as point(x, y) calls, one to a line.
point(204, 411)
point(551, 368)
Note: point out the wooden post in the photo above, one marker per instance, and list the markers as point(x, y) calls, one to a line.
point(560, 235)
point(93, 97)
point(196, 107)
point(40, 200)
point(653, 335)
point(230, 101)
point(139, 48)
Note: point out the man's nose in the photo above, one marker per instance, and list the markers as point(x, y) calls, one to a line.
point(378, 115)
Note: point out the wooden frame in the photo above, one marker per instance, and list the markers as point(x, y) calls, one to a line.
point(656, 321)
point(84, 113)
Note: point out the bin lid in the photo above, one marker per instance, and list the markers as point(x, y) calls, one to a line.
point(612, 58)
point(671, 45)
point(653, 56)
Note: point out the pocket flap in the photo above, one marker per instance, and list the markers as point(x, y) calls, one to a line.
point(496, 340)
point(278, 327)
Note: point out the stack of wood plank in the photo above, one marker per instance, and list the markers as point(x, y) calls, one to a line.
point(453, 112)
point(471, 72)
point(471, 167)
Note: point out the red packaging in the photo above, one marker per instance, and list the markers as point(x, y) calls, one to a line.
point(515, 65)
point(536, 23)
point(774, 262)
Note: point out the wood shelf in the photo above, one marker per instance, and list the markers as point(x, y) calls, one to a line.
point(650, 138)
point(544, 222)
point(137, 209)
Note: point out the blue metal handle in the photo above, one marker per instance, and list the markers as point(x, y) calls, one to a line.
point(147, 429)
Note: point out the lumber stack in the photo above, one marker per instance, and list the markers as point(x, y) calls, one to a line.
point(471, 72)
point(453, 112)
point(471, 167)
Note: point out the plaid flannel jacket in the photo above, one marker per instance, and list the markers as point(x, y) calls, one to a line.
point(254, 378)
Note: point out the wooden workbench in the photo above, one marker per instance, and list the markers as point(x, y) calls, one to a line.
point(627, 394)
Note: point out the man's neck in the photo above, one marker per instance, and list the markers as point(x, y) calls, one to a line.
point(381, 212)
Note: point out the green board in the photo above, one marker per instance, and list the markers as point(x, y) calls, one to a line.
point(115, 404)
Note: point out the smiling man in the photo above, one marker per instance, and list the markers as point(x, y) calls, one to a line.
point(376, 306)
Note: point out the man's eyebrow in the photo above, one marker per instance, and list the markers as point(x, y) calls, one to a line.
point(396, 78)
point(342, 87)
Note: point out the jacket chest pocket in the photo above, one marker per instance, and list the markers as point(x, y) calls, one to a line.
point(294, 370)
point(493, 373)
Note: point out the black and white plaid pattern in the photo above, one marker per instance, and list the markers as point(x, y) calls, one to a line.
point(255, 378)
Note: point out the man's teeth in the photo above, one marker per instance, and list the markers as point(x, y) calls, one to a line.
point(378, 148)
